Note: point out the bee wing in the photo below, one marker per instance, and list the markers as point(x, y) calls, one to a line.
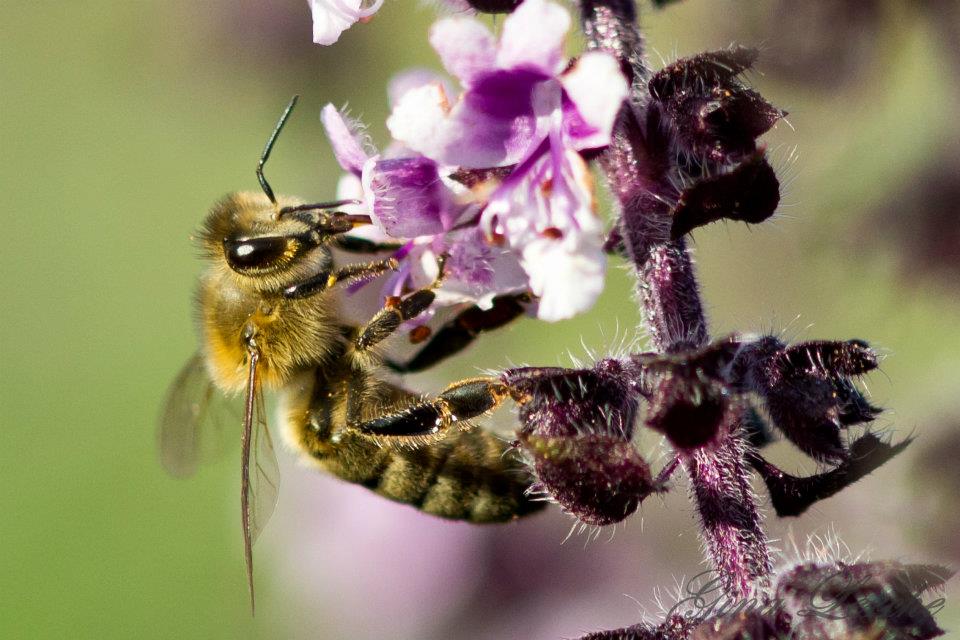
point(197, 423)
point(259, 481)
point(265, 483)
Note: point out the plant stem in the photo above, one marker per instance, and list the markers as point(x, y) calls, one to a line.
point(637, 166)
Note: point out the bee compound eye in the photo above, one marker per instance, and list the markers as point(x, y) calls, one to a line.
point(255, 254)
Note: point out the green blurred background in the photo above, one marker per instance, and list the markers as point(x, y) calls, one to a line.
point(120, 122)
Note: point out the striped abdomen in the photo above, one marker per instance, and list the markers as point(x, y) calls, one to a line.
point(463, 475)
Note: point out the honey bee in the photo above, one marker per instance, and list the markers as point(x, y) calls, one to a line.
point(269, 312)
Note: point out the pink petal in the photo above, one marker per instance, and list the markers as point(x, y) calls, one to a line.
point(408, 197)
point(333, 17)
point(344, 140)
point(567, 282)
point(411, 79)
point(418, 118)
point(466, 47)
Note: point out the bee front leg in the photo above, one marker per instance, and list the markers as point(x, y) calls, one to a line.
point(460, 401)
point(325, 279)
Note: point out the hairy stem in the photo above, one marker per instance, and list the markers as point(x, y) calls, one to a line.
point(637, 166)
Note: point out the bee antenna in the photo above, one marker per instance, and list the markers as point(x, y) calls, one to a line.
point(267, 149)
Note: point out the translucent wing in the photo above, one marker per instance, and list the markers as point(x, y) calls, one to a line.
point(259, 472)
point(198, 423)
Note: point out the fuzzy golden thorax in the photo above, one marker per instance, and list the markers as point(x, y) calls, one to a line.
point(235, 305)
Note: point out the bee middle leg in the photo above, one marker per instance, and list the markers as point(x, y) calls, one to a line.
point(395, 312)
point(460, 401)
point(461, 331)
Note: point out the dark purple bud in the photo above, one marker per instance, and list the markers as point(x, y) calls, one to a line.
point(563, 402)
point(599, 479)
point(749, 192)
point(791, 495)
point(494, 6)
point(675, 628)
point(850, 358)
point(704, 70)
point(686, 396)
point(807, 389)
point(750, 625)
point(853, 601)
point(688, 412)
point(714, 115)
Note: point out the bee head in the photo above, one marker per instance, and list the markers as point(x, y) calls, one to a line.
point(266, 251)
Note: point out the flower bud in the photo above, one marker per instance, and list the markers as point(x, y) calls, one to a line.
point(494, 6)
point(599, 479)
point(749, 192)
point(564, 402)
point(715, 116)
point(807, 389)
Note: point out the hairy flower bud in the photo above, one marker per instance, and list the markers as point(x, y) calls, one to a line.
point(749, 192)
point(565, 402)
point(675, 628)
point(686, 394)
point(807, 389)
point(576, 427)
point(715, 116)
point(597, 478)
point(494, 6)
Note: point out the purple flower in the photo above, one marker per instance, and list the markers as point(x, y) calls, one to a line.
point(333, 17)
point(524, 104)
point(410, 198)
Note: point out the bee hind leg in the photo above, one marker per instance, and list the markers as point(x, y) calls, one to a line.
point(460, 401)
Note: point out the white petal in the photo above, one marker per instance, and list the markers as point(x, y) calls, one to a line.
point(418, 118)
point(333, 17)
point(597, 88)
point(567, 282)
point(413, 79)
point(533, 36)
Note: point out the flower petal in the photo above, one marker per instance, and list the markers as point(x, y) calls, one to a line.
point(418, 118)
point(533, 37)
point(345, 142)
point(493, 124)
point(466, 47)
point(567, 282)
point(477, 268)
point(596, 88)
point(408, 197)
point(333, 17)
point(413, 79)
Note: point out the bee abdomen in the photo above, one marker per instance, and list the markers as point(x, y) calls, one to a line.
point(465, 476)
